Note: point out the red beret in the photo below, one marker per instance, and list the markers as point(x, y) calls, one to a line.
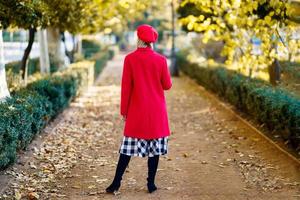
point(147, 33)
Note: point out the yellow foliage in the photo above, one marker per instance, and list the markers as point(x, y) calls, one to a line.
point(237, 22)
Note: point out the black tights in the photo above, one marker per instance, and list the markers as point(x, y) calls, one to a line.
point(121, 167)
point(152, 168)
point(123, 163)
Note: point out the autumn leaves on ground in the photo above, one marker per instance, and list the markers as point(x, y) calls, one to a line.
point(212, 154)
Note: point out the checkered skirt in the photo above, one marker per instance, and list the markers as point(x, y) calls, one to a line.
point(142, 148)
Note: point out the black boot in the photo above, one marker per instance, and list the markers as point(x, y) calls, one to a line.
point(121, 167)
point(152, 168)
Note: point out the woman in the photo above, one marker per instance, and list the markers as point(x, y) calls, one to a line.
point(143, 107)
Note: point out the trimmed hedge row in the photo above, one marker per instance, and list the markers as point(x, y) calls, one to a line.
point(274, 107)
point(90, 47)
point(100, 60)
point(291, 68)
point(92, 50)
point(28, 110)
point(33, 66)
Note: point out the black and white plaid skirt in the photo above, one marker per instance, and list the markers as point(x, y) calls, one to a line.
point(142, 148)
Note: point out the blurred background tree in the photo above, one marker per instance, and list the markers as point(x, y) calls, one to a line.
point(27, 15)
point(235, 25)
point(54, 18)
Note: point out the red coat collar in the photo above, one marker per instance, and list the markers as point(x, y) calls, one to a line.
point(144, 49)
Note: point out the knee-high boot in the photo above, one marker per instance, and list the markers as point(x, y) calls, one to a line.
point(121, 167)
point(152, 168)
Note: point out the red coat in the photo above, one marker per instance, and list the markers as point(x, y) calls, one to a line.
point(145, 77)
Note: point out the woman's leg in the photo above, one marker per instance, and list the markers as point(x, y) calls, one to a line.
point(152, 168)
point(121, 167)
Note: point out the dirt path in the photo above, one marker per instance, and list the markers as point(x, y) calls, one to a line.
point(212, 155)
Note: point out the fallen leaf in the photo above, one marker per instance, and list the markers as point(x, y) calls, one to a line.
point(33, 196)
point(117, 193)
point(18, 195)
point(92, 193)
point(255, 139)
point(91, 187)
point(101, 180)
point(32, 166)
point(169, 188)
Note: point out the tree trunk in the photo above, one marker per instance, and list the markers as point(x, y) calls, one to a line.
point(274, 72)
point(27, 51)
point(290, 57)
point(155, 26)
point(74, 49)
point(3, 84)
point(74, 42)
point(44, 55)
point(79, 44)
point(69, 54)
point(11, 36)
point(174, 67)
point(54, 44)
point(274, 69)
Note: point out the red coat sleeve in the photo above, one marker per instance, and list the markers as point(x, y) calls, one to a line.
point(166, 81)
point(126, 87)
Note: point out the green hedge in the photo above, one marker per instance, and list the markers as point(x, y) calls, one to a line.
point(274, 107)
point(111, 53)
point(90, 47)
point(33, 66)
point(16, 36)
point(100, 60)
point(292, 69)
point(28, 110)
